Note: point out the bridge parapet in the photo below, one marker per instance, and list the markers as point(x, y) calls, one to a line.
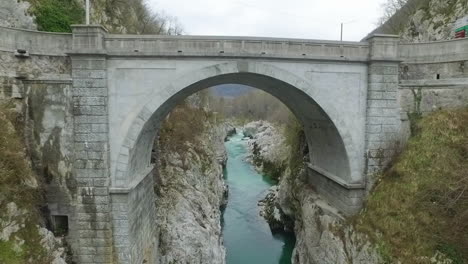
point(35, 42)
point(434, 52)
point(213, 46)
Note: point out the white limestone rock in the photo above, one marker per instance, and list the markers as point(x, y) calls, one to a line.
point(190, 191)
point(267, 142)
point(434, 22)
point(321, 235)
point(13, 220)
point(14, 13)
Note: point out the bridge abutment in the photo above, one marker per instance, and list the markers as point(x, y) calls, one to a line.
point(133, 218)
point(92, 241)
point(383, 111)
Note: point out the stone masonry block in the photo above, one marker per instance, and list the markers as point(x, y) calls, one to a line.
point(88, 64)
point(88, 225)
point(391, 79)
point(90, 119)
point(99, 128)
point(90, 173)
point(94, 110)
point(89, 74)
point(83, 128)
point(376, 79)
point(91, 146)
point(389, 129)
point(89, 101)
point(377, 103)
point(95, 164)
point(375, 95)
point(96, 155)
point(95, 233)
point(374, 128)
point(90, 208)
point(89, 92)
point(99, 217)
point(390, 70)
point(89, 83)
point(390, 112)
point(100, 182)
point(390, 95)
point(100, 258)
point(374, 120)
point(82, 155)
point(374, 112)
point(94, 137)
point(101, 191)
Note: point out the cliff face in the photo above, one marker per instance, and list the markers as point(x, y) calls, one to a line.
point(23, 238)
point(124, 17)
point(434, 20)
point(190, 188)
point(321, 233)
point(14, 13)
point(425, 20)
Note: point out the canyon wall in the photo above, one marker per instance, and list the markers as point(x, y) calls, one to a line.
point(189, 186)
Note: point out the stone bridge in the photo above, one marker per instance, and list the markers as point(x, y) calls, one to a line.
point(120, 87)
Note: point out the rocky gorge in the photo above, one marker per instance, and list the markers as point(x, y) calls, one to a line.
point(190, 155)
point(189, 187)
point(322, 235)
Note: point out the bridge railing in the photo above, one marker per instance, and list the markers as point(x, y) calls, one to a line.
point(35, 42)
point(135, 45)
point(438, 51)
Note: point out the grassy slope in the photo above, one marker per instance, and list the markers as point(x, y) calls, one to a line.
point(15, 172)
point(420, 205)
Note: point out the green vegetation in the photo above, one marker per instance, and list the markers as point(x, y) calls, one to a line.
point(57, 15)
point(296, 140)
point(131, 17)
point(15, 169)
point(420, 205)
point(15, 186)
point(183, 130)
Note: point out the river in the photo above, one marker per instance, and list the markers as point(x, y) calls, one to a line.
point(247, 236)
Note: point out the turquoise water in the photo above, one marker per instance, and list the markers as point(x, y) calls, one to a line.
point(247, 237)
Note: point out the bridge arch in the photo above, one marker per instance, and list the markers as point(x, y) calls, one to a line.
point(332, 147)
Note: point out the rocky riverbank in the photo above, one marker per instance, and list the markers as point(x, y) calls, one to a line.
point(322, 235)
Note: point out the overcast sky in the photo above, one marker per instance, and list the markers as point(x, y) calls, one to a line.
point(310, 19)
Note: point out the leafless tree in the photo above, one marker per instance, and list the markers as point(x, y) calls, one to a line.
point(396, 14)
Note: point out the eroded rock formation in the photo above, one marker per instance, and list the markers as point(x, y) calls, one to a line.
point(322, 234)
point(190, 191)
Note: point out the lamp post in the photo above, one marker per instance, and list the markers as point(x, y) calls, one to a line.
point(341, 35)
point(342, 24)
point(87, 12)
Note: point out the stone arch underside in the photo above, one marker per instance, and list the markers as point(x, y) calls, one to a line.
point(329, 152)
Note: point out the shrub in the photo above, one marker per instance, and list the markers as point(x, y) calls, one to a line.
point(57, 15)
point(420, 205)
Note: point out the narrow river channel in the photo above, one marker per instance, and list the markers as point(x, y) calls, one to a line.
point(247, 237)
